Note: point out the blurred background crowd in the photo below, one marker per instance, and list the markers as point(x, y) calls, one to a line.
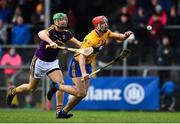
point(21, 20)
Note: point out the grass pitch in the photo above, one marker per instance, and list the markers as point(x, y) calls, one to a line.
point(41, 116)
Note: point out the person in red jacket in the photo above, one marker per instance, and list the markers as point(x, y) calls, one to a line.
point(158, 21)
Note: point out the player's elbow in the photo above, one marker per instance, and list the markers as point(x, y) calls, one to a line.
point(41, 34)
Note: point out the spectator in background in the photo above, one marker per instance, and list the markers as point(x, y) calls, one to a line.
point(168, 95)
point(164, 55)
point(28, 7)
point(5, 11)
point(17, 12)
point(11, 59)
point(158, 21)
point(173, 20)
point(123, 23)
point(14, 60)
point(20, 32)
point(3, 33)
point(172, 16)
point(132, 8)
point(38, 19)
point(139, 21)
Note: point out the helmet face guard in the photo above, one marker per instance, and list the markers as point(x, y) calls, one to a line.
point(101, 23)
point(60, 20)
point(103, 27)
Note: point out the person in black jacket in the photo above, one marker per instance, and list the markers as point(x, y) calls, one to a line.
point(164, 57)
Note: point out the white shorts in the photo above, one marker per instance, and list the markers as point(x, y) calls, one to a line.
point(41, 68)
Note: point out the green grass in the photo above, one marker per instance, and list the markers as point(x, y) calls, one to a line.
point(40, 116)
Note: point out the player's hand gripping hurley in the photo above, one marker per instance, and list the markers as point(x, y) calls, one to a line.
point(124, 54)
point(84, 51)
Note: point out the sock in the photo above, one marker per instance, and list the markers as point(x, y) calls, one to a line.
point(58, 108)
point(56, 85)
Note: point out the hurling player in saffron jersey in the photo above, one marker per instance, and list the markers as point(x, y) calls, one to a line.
point(80, 65)
point(45, 60)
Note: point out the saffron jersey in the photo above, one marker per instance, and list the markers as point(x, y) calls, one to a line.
point(95, 40)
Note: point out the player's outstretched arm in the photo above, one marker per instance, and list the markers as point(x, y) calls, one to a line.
point(75, 42)
point(119, 36)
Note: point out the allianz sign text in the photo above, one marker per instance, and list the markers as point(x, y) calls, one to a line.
point(102, 94)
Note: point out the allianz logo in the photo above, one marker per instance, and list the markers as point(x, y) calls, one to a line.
point(134, 93)
point(102, 94)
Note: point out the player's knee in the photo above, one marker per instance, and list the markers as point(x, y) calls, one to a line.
point(81, 94)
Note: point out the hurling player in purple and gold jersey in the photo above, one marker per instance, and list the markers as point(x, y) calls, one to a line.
point(80, 65)
point(45, 60)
